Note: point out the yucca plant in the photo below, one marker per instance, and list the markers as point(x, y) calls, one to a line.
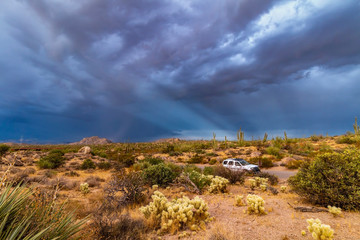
point(22, 217)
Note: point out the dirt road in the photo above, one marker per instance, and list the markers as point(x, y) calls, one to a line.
point(282, 172)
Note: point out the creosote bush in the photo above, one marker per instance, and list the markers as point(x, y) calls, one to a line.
point(320, 231)
point(171, 216)
point(331, 179)
point(87, 164)
point(53, 160)
point(159, 174)
point(255, 204)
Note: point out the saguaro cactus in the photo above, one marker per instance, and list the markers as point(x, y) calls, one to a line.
point(356, 127)
point(240, 136)
point(214, 139)
point(265, 137)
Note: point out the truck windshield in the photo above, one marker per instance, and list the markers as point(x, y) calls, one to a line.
point(243, 162)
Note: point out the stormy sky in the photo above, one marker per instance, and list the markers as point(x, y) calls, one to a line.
point(138, 70)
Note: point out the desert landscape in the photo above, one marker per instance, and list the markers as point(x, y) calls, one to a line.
point(113, 189)
point(179, 119)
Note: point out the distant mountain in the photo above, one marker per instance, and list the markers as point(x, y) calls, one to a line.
point(95, 140)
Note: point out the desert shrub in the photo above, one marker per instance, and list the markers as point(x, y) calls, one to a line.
point(208, 171)
point(190, 167)
point(232, 176)
point(127, 159)
point(218, 184)
point(153, 160)
point(200, 180)
point(87, 164)
point(169, 149)
point(177, 170)
point(131, 187)
point(3, 149)
point(255, 204)
point(104, 165)
point(275, 151)
point(266, 162)
point(94, 181)
point(171, 216)
point(160, 174)
point(294, 164)
point(196, 159)
point(212, 161)
point(72, 174)
point(29, 170)
point(316, 138)
point(49, 173)
point(320, 231)
point(25, 215)
point(273, 179)
point(53, 160)
point(331, 179)
point(346, 140)
point(118, 226)
point(19, 178)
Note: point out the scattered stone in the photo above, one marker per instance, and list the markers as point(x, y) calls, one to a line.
point(85, 150)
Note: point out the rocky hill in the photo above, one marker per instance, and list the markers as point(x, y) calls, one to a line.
point(95, 140)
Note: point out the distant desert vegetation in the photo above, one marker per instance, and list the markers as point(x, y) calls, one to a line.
point(172, 189)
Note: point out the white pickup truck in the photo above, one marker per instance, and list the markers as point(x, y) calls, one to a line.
point(238, 164)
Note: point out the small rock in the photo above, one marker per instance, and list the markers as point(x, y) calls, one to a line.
point(85, 150)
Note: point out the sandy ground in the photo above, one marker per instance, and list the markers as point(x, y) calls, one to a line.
point(281, 222)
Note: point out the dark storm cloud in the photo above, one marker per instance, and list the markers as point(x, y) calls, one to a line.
point(144, 69)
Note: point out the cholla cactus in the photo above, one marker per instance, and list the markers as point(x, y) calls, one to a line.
point(175, 215)
point(334, 211)
point(259, 181)
point(283, 189)
point(303, 233)
point(252, 183)
point(218, 184)
point(155, 187)
point(84, 188)
point(320, 231)
point(255, 204)
point(263, 187)
point(239, 200)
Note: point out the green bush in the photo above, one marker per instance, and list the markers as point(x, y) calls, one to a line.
point(266, 162)
point(275, 151)
point(87, 164)
point(53, 160)
point(153, 160)
point(104, 165)
point(200, 180)
point(345, 140)
point(331, 179)
point(3, 149)
point(190, 167)
point(212, 161)
point(208, 171)
point(196, 159)
point(160, 174)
